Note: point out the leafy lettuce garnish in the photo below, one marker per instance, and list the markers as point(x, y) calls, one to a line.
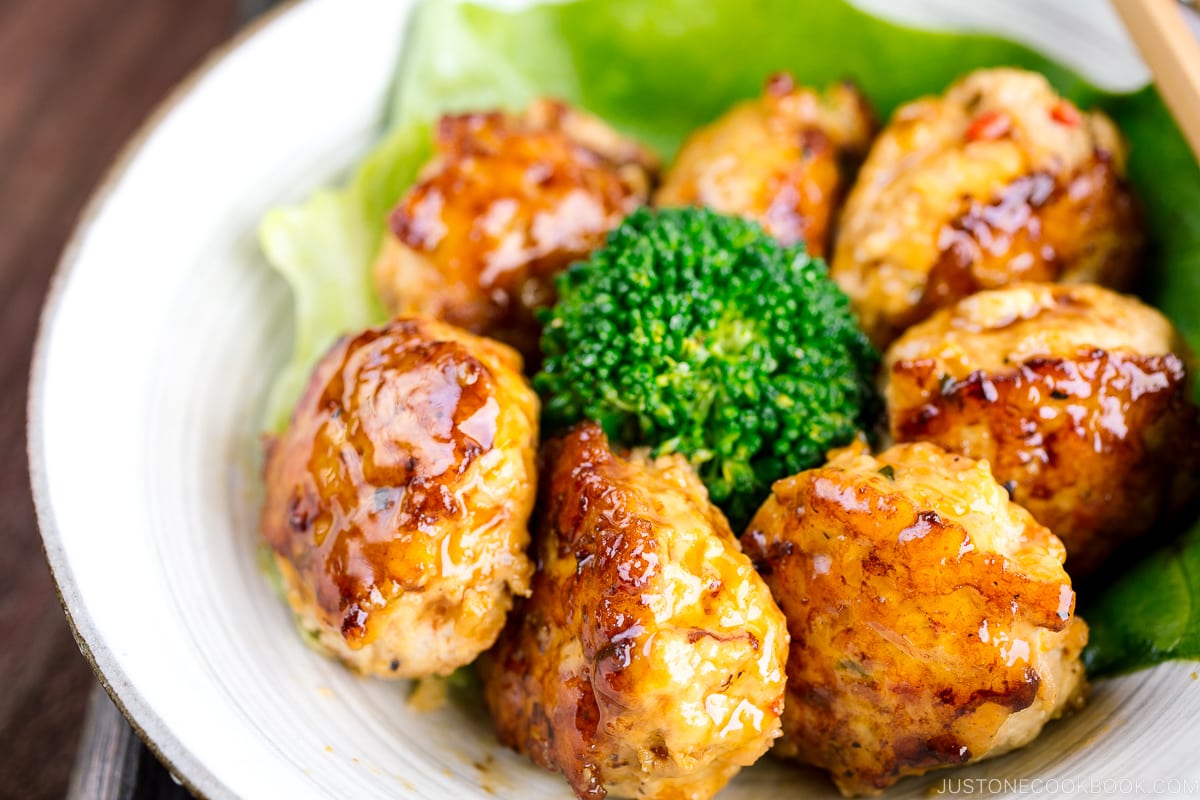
point(1151, 614)
point(324, 249)
point(657, 69)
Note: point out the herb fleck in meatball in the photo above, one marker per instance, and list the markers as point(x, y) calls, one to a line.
point(931, 620)
point(998, 181)
point(506, 203)
point(782, 160)
point(1078, 397)
point(649, 659)
point(398, 498)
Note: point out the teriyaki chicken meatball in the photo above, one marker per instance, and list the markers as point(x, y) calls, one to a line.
point(1078, 397)
point(507, 202)
point(649, 659)
point(784, 160)
point(932, 623)
point(998, 181)
point(398, 498)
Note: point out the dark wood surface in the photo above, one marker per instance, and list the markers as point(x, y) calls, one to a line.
point(111, 763)
point(76, 79)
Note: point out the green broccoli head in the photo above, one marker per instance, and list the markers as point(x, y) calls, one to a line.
point(697, 333)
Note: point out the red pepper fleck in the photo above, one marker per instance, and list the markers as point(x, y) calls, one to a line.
point(1065, 114)
point(780, 84)
point(989, 125)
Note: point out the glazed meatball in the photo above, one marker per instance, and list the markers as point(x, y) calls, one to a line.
point(1001, 180)
point(649, 659)
point(399, 497)
point(932, 622)
point(782, 160)
point(506, 203)
point(1077, 396)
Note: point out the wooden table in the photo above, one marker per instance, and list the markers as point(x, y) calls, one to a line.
point(76, 78)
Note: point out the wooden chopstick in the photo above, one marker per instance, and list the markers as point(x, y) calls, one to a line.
point(1171, 51)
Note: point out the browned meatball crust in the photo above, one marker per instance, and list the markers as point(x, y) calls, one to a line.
point(397, 501)
point(1000, 180)
point(649, 659)
point(506, 203)
point(932, 623)
point(1078, 398)
point(783, 160)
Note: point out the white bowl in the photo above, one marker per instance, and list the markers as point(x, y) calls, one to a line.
point(160, 336)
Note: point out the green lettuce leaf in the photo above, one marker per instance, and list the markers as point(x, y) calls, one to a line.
point(657, 69)
point(324, 249)
point(1151, 614)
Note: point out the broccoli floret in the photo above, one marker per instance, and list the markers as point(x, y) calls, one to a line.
point(697, 333)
